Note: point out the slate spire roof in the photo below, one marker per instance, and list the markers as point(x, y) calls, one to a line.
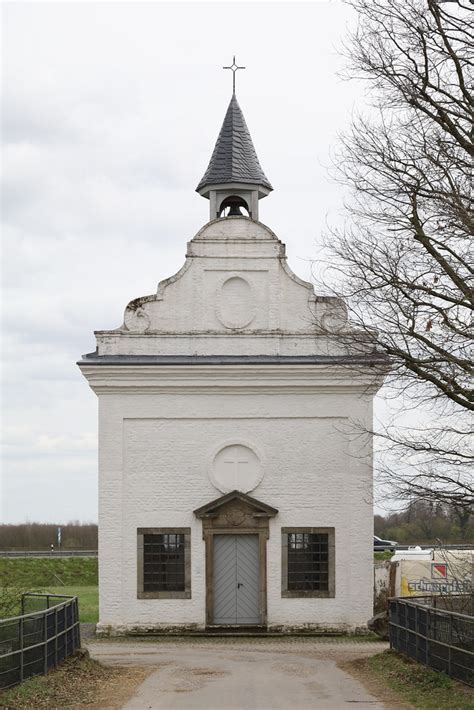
point(234, 158)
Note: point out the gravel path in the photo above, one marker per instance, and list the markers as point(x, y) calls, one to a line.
point(243, 674)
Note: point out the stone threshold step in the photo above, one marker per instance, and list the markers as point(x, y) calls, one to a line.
point(245, 634)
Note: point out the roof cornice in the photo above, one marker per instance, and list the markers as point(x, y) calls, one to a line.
point(244, 379)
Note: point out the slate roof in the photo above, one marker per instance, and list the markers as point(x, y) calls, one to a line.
point(234, 158)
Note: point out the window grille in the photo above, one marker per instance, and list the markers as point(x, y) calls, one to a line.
point(164, 563)
point(308, 562)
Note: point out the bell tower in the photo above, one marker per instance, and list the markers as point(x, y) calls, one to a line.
point(234, 179)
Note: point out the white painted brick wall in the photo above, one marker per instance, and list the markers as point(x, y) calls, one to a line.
point(158, 427)
point(182, 318)
point(155, 454)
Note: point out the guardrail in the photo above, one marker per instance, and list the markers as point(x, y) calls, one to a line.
point(48, 553)
point(94, 553)
point(32, 643)
point(441, 639)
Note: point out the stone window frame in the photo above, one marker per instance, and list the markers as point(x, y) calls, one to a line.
point(324, 594)
point(184, 594)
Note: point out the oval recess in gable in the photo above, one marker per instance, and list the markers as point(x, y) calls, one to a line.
point(235, 303)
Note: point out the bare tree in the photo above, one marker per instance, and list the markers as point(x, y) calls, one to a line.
point(404, 260)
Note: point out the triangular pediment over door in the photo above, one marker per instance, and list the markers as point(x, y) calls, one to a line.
point(235, 510)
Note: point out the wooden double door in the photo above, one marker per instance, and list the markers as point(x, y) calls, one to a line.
point(235, 529)
point(236, 575)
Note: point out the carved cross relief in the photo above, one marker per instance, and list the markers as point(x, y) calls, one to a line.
point(236, 467)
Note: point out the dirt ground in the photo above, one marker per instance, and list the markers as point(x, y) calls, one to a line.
point(79, 682)
point(114, 691)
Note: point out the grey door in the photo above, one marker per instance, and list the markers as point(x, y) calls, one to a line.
point(236, 579)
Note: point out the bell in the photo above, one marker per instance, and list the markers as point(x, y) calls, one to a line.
point(234, 211)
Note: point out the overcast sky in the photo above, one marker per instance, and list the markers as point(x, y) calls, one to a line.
point(110, 113)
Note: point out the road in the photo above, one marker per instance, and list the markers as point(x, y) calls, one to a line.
point(243, 674)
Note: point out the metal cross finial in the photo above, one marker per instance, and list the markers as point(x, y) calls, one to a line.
point(234, 68)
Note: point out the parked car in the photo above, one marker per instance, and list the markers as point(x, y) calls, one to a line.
point(381, 545)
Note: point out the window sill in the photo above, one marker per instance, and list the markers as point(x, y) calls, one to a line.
point(304, 593)
point(164, 595)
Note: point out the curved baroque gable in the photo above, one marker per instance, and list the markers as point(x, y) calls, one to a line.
point(235, 294)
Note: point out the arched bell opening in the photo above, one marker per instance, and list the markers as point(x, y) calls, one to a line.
point(231, 206)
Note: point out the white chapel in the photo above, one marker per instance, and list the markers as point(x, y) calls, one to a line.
point(230, 491)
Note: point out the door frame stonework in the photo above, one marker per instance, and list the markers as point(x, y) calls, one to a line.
point(235, 514)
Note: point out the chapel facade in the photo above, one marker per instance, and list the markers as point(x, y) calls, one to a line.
point(230, 490)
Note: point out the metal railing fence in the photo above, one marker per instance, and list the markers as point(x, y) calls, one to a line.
point(424, 546)
point(34, 642)
point(457, 603)
point(441, 639)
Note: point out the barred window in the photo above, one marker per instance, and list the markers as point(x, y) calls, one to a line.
point(164, 563)
point(308, 562)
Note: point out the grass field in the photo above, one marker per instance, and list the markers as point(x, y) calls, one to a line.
point(61, 575)
point(411, 682)
point(37, 571)
point(88, 600)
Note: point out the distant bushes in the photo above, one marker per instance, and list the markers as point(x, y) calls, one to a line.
point(40, 536)
point(426, 522)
